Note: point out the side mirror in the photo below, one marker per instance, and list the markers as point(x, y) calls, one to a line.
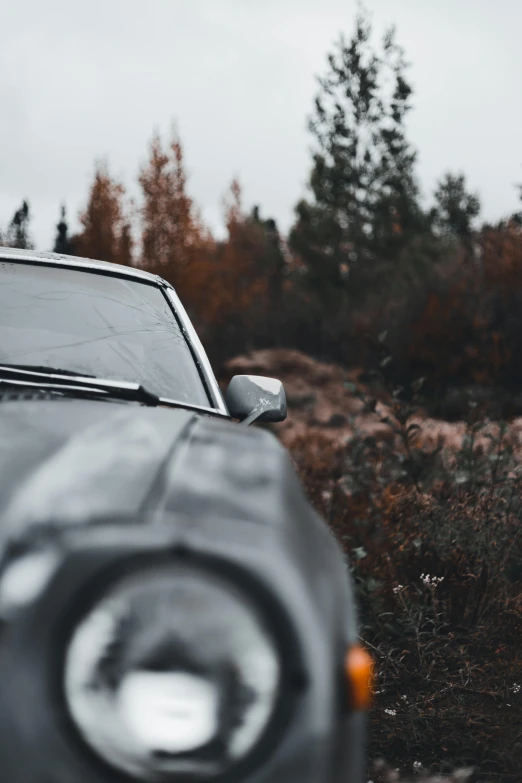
point(252, 397)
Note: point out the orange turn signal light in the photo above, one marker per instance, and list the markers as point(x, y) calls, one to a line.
point(358, 669)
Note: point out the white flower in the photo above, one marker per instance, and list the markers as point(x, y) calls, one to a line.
point(417, 765)
point(398, 589)
point(515, 688)
point(390, 712)
point(431, 581)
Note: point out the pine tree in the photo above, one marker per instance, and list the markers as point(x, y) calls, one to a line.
point(62, 243)
point(125, 245)
point(456, 208)
point(364, 206)
point(274, 264)
point(18, 230)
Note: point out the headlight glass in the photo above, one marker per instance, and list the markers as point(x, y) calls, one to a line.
point(174, 672)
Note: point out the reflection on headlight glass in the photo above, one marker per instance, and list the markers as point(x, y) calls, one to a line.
point(173, 672)
point(174, 710)
point(25, 578)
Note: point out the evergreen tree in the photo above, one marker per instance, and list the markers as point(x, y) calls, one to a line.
point(364, 205)
point(274, 263)
point(516, 217)
point(125, 245)
point(62, 243)
point(18, 230)
point(455, 209)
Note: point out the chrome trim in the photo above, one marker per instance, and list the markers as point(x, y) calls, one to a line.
point(193, 339)
point(74, 262)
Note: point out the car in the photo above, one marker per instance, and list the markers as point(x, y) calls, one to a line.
point(171, 606)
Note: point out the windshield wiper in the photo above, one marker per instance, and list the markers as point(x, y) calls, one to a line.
point(76, 385)
point(42, 369)
point(48, 379)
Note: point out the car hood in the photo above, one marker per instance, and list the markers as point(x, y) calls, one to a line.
point(70, 464)
point(73, 461)
point(66, 462)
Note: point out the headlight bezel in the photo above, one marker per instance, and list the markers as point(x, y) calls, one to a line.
point(109, 574)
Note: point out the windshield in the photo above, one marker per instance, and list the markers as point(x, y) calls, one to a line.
point(98, 325)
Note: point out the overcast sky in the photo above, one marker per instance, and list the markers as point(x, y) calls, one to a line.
point(84, 80)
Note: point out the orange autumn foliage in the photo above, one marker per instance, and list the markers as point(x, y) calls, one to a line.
point(233, 288)
point(235, 281)
point(172, 232)
point(106, 233)
point(219, 282)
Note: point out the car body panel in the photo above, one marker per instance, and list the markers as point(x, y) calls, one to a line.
point(80, 461)
point(97, 480)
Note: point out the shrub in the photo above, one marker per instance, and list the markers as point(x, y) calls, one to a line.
point(430, 521)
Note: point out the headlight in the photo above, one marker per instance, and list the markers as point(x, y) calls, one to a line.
point(174, 672)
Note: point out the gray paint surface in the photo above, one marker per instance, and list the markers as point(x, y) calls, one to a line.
point(69, 462)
